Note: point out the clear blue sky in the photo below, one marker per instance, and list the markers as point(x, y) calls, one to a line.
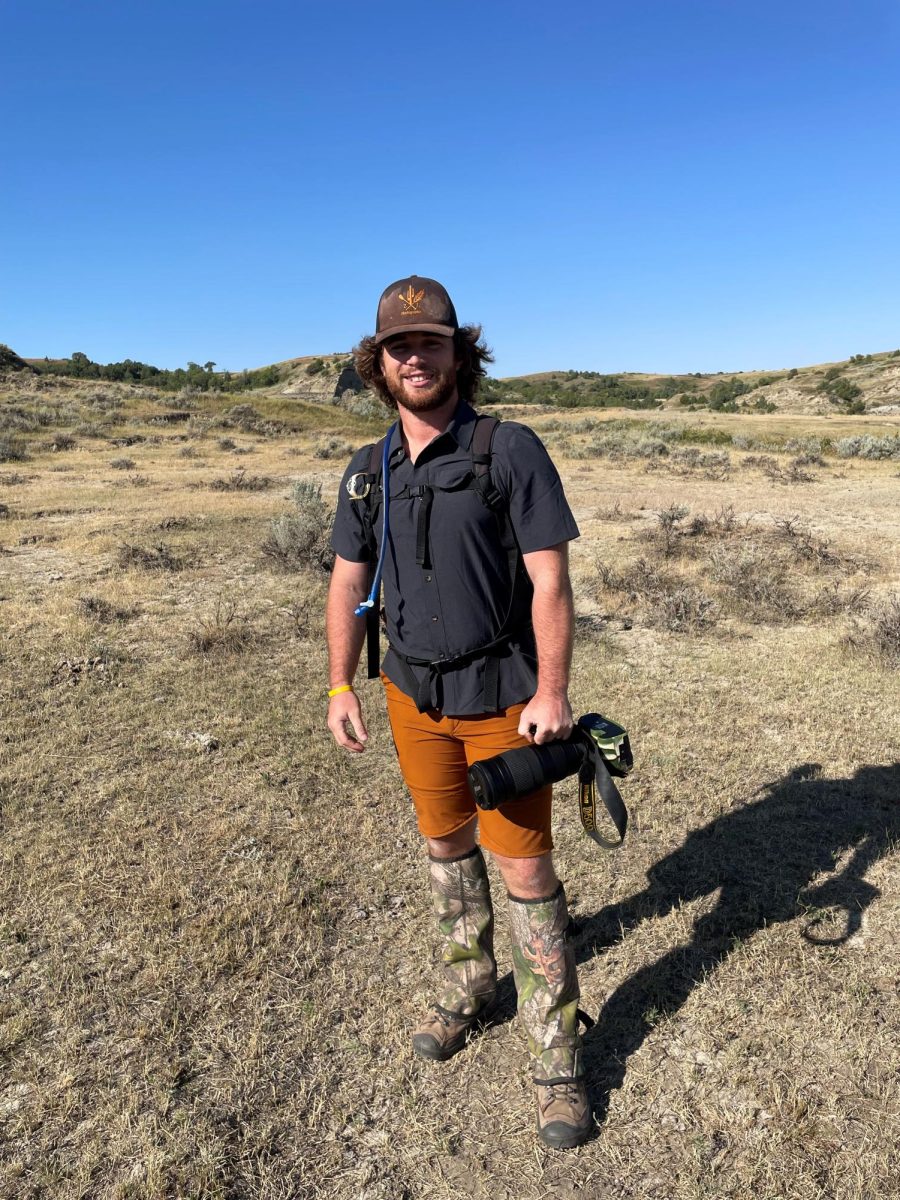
point(668, 185)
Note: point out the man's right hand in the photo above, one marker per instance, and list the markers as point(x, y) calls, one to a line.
point(345, 720)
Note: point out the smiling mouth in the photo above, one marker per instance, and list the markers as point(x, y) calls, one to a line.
point(419, 379)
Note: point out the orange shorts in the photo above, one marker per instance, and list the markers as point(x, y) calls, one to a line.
point(436, 751)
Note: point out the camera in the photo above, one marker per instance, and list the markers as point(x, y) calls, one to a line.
point(516, 773)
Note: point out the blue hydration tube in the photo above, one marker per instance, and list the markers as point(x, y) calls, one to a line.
point(386, 497)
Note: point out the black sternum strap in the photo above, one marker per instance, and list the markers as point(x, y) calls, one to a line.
point(423, 555)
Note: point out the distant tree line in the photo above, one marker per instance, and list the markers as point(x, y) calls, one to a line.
point(200, 378)
point(589, 389)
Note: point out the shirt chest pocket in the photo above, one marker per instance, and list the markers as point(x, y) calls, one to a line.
point(439, 519)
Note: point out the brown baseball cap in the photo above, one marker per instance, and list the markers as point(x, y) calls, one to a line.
point(415, 305)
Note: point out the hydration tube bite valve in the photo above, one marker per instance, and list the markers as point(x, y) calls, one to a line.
point(362, 609)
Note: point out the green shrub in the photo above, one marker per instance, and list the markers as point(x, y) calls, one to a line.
point(301, 538)
point(722, 395)
point(843, 390)
point(702, 435)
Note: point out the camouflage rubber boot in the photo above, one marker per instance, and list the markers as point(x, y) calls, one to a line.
point(461, 896)
point(547, 986)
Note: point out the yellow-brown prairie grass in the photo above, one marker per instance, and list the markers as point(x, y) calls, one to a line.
point(214, 927)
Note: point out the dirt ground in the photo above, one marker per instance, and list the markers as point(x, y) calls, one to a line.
point(214, 927)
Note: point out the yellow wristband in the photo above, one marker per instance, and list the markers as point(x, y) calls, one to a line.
point(345, 687)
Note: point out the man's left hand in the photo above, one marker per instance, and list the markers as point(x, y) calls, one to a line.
point(545, 718)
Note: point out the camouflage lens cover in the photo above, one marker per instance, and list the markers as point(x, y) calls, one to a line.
point(612, 741)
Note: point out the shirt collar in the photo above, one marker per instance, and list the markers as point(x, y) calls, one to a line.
point(461, 429)
point(463, 424)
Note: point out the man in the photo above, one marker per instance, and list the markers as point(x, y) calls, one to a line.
point(479, 616)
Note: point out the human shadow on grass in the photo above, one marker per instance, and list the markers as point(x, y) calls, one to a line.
point(761, 858)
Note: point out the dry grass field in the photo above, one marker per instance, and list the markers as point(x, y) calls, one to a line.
point(214, 927)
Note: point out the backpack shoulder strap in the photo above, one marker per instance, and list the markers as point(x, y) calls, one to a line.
point(376, 452)
point(493, 498)
point(483, 437)
point(482, 441)
point(363, 487)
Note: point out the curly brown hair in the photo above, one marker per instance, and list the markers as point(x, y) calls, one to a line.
point(468, 346)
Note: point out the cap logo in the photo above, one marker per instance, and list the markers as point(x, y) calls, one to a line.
point(411, 301)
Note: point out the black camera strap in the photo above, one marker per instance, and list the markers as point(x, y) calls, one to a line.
point(594, 777)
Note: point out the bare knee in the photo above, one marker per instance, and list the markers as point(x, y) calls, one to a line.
point(460, 841)
point(528, 878)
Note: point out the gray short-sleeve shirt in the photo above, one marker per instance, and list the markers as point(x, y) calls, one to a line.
point(457, 602)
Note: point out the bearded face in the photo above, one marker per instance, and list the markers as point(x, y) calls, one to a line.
point(420, 371)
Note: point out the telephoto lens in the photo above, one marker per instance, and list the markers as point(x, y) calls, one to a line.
point(494, 781)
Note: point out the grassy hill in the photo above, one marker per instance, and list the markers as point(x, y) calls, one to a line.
point(862, 384)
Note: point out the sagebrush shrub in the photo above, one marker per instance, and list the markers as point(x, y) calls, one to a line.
point(681, 608)
point(149, 558)
point(12, 450)
point(301, 538)
point(755, 583)
point(867, 446)
point(61, 442)
point(240, 481)
point(333, 447)
point(223, 631)
point(877, 634)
